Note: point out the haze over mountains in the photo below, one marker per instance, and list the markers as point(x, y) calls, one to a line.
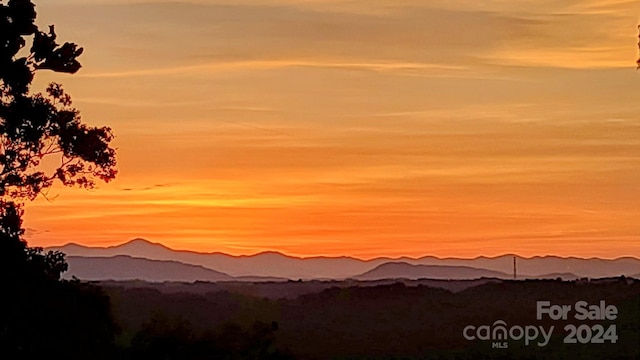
point(124, 267)
point(402, 270)
point(144, 260)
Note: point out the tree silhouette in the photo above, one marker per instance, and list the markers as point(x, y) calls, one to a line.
point(36, 127)
point(43, 140)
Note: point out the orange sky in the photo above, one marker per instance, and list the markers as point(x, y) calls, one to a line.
point(362, 128)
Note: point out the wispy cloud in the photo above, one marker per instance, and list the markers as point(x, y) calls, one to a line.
point(278, 64)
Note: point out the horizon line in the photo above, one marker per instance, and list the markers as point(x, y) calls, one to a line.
point(140, 239)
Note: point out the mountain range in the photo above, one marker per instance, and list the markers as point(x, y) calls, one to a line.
point(145, 260)
point(402, 270)
point(124, 267)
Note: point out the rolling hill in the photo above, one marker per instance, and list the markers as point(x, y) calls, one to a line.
point(123, 267)
point(402, 270)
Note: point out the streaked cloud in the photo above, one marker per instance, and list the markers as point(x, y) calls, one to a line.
point(227, 67)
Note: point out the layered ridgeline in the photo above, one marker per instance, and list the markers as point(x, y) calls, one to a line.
point(144, 260)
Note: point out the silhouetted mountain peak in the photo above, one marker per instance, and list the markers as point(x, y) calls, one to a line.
point(141, 244)
point(75, 246)
point(139, 240)
point(270, 254)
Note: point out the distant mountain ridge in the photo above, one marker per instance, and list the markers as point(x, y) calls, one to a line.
point(403, 270)
point(268, 264)
point(124, 267)
point(277, 265)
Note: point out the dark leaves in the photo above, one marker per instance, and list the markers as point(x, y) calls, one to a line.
point(17, 21)
point(57, 93)
point(44, 44)
point(10, 219)
point(52, 263)
point(35, 127)
point(89, 144)
point(47, 317)
point(63, 59)
point(17, 75)
point(48, 55)
point(23, 15)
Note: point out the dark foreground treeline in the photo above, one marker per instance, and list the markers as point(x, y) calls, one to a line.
point(45, 317)
point(392, 321)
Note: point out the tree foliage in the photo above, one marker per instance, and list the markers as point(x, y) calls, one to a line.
point(42, 141)
point(170, 337)
point(38, 126)
point(42, 137)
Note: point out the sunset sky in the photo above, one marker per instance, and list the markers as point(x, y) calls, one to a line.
point(356, 127)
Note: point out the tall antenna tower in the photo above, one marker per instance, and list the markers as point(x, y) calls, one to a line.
point(515, 274)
